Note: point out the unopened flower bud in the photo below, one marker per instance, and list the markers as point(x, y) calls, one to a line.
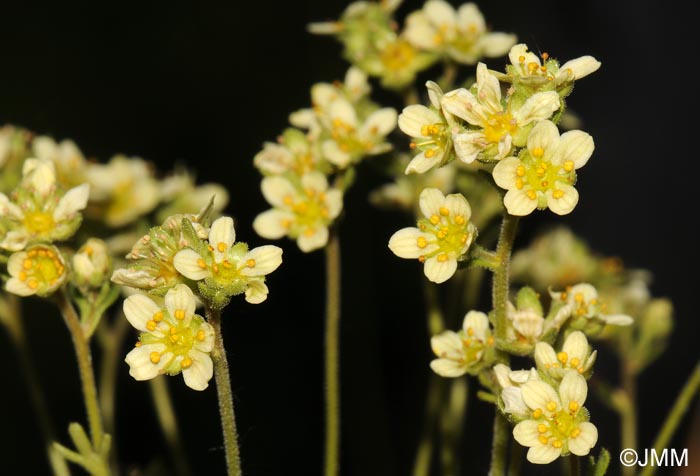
point(92, 264)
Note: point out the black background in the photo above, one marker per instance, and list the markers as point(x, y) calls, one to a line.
point(206, 84)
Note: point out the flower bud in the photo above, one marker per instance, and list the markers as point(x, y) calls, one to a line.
point(92, 264)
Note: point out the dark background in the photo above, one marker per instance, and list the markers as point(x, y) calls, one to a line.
point(206, 84)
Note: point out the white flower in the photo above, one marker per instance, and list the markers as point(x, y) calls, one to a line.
point(294, 153)
point(558, 423)
point(173, 338)
point(351, 139)
point(575, 356)
point(528, 66)
point(39, 211)
point(228, 266)
point(526, 324)
point(92, 263)
point(459, 34)
point(584, 301)
point(458, 352)
point(67, 158)
point(496, 127)
point(302, 213)
point(544, 174)
point(442, 237)
point(511, 382)
point(39, 270)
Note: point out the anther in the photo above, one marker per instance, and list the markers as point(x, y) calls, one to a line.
point(250, 263)
point(155, 357)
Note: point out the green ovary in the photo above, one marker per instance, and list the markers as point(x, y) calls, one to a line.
point(451, 234)
point(557, 429)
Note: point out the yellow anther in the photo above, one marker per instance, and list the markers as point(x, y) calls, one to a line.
point(568, 165)
point(174, 339)
point(151, 325)
point(519, 183)
point(464, 238)
point(578, 297)
point(310, 192)
point(490, 340)
point(27, 264)
point(540, 171)
point(544, 184)
point(434, 219)
point(186, 363)
point(200, 335)
point(425, 131)
point(158, 316)
point(545, 56)
point(201, 263)
point(172, 330)
point(155, 357)
point(557, 444)
point(42, 253)
point(575, 432)
point(542, 428)
point(31, 253)
point(421, 259)
point(562, 357)
point(210, 247)
point(470, 331)
point(531, 194)
point(221, 246)
point(520, 171)
point(22, 276)
point(430, 153)
point(557, 193)
point(33, 283)
point(442, 234)
point(543, 69)
point(288, 200)
point(310, 232)
point(50, 254)
point(421, 226)
point(442, 257)
point(226, 264)
point(532, 66)
point(574, 362)
point(179, 314)
point(573, 406)
point(543, 439)
point(421, 242)
point(286, 223)
point(412, 145)
point(537, 414)
point(250, 263)
point(138, 344)
point(537, 152)
point(551, 406)
point(459, 220)
point(444, 211)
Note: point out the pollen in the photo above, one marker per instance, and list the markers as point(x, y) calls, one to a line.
point(459, 220)
point(442, 257)
point(201, 263)
point(470, 331)
point(557, 193)
point(434, 219)
point(551, 406)
point(520, 171)
point(421, 242)
point(186, 363)
point(221, 246)
point(200, 335)
point(151, 325)
point(562, 357)
point(531, 194)
point(537, 152)
point(158, 316)
point(568, 165)
point(543, 439)
point(574, 362)
point(557, 443)
point(575, 432)
point(155, 357)
point(573, 406)
point(27, 264)
point(33, 283)
point(430, 153)
point(179, 314)
point(22, 276)
point(250, 263)
point(444, 211)
point(542, 428)
point(421, 259)
point(519, 183)
point(537, 414)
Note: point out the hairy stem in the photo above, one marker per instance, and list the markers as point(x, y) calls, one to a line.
point(332, 356)
point(501, 277)
point(499, 446)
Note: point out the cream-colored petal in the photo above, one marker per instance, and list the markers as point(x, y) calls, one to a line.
point(187, 262)
point(139, 309)
point(504, 173)
point(207, 344)
point(420, 32)
point(331, 151)
point(256, 292)
point(439, 271)
point(544, 135)
point(543, 454)
point(275, 189)
point(468, 145)
point(304, 119)
point(421, 164)
point(526, 433)
point(264, 260)
point(72, 202)
point(576, 346)
point(464, 105)
point(478, 323)
point(565, 203)
point(537, 394)
point(273, 224)
point(41, 174)
point(430, 202)
point(617, 319)
point(447, 345)
point(521, 51)
point(15, 263)
point(513, 402)
point(573, 388)
point(435, 94)
point(538, 107)
point(545, 356)
point(274, 158)
point(518, 203)
point(488, 89)
point(404, 243)
point(582, 444)
point(334, 203)
point(578, 68)
point(222, 234)
point(198, 374)
point(313, 238)
point(315, 181)
point(458, 206)
point(494, 45)
point(356, 84)
point(140, 365)
point(440, 13)
point(324, 28)
point(502, 373)
point(471, 20)
point(413, 118)
point(7, 208)
point(181, 298)
point(342, 110)
point(379, 123)
point(322, 94)
point(576, 146)
point(448, 368)
point(18, 287)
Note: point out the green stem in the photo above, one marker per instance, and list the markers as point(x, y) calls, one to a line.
point(501, 278)
point(628, 412)
point(435, 317)
point(111, 339)
point(223, 390)
point(167, 419)
point(499, 446)
point(15, 328)
point(332, 356)
point(685, 398)
point(87, 375)
point(451, 423)
point(424, 453)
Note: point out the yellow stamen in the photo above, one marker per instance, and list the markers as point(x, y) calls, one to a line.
point(575, 432)
point(562, 357)
point(201, 263)
point(422, 242)
point(250, 263)
point(442, 257)
point(221, 246)
point(179, 314)
point(531, 194)
point(558, 193)
point(33, 283)
point(158, 316)
point(434, 219)
point(551, 406)
point(543, 439)
point(557, 444)
point(574, 362)
point(151, 325)
point(155, 357)
point(27, 264)
point(573, 406)
point(200, 335)
point(459, 220)
point(186, 363)
point(537, 414)
point(537, 152)
point(444, 211)
point(568, 165)
point(542, 428)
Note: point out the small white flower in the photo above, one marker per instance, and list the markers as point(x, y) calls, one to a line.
point(575, 356)
point(496, 128)
point(173, 338)
point(526, 324)
point(228, 266)
point(511, 382)
point(585, 303)
point(39, 270)
point(66, 156)
point(303, 213)
point(558, 422)
point(294, 152)
point(441, 238)
point(38, 210)
point(460, 34)
point(92, 264)
point(528, 66)
point(459, 352)
point(544, 174)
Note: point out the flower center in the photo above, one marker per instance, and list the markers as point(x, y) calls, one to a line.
point(310, 211)
point(541, 175)
point(41, 268)
point(397, 55)
point(498, 125)
point(451, 234)
point(555, 428)
point(533, 68)
point(178, 338)
point(39, 223)
point(436, 139)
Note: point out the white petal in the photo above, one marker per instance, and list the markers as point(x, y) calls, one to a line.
point(41, 174)
point(331, 151)
point(488, 89)
point(222, 231)
point(582, 444)
point(256, 292)
point(313, 238)
point(315, 181)
point(15, 262)
point(342, 110)
point(543, 454)
point(139, 360)
point(478, 323)
point(198, 374)
point(274, 158)
point(207, 344)
point(468, 145)
point(618, 319)
point(265, 260)
point(573, 388)
point(275, 189)
point(496, 44)
point(521, 50)
point(440, 13)
point(430, 201)
point(404, 243)
point(564, 204)
point(73, 201)
point(504, 173)
point(448, 368)
point(379, 123)
point(272, 223)
point(458, 205)
point(545, 356)
point(526, 433)
point(186, 262)
point(502, 373)
point(470, 19)
point(538, 107)
point(420, 32)
point(421, 164)
point(464, 104)
point(414, 117)
point(334, 203)
point(576, 146)
point(447, 345)
point(576, 346)
point(19, 288)
point(7, 208)
point(322, 94)
point(180, 297)
point(518, 203)
point(578, 68)
point(139, 309)
point(435, 94)
point(356, 83)
point(544, 135)
point(537, 394)
point(439, 271)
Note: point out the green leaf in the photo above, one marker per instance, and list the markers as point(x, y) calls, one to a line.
point(601, 466)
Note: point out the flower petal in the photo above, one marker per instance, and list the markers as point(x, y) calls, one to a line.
point(538, 107)
point(488, 89)
point(18, 287)
point(518, 203)
point(187, 262)
point(543, 454)
point(139, 309)
point(582, 444)
point(421, 164)
point(566, 202)
point(521, 51)
point(379, 123)
point(468, 145)
point(313, 238)
point(198, 374)
point(272, 224)
point(264, 260)
point(578, 68)
point(334, 203)
point(430, 202)
point(207, 344)
point(404, 243)
point(576, 346)
point(464, 105)
point(275, 189)
point(439, 271)
point(331, 151)
point(573, 388)
point(73, 201)
point(458, 206)
point(526, 433)
point(576, 146)
point(222, 235)
point(477, 324)
point(496, 44)
point(440, 13)
point(544, 135)
point(448, 368)
point(617, 319)
point(181, 298)
point(413, 118)
point(140, 365)
point(256, 292)
point(504, 173)
point(537, 394)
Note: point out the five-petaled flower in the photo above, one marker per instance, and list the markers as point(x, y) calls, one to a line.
point(441, 238)
point(173, 338)
point(527, 67)
point(584, 303)
point(575, 355)
point(40, 270)
point(461, 352)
